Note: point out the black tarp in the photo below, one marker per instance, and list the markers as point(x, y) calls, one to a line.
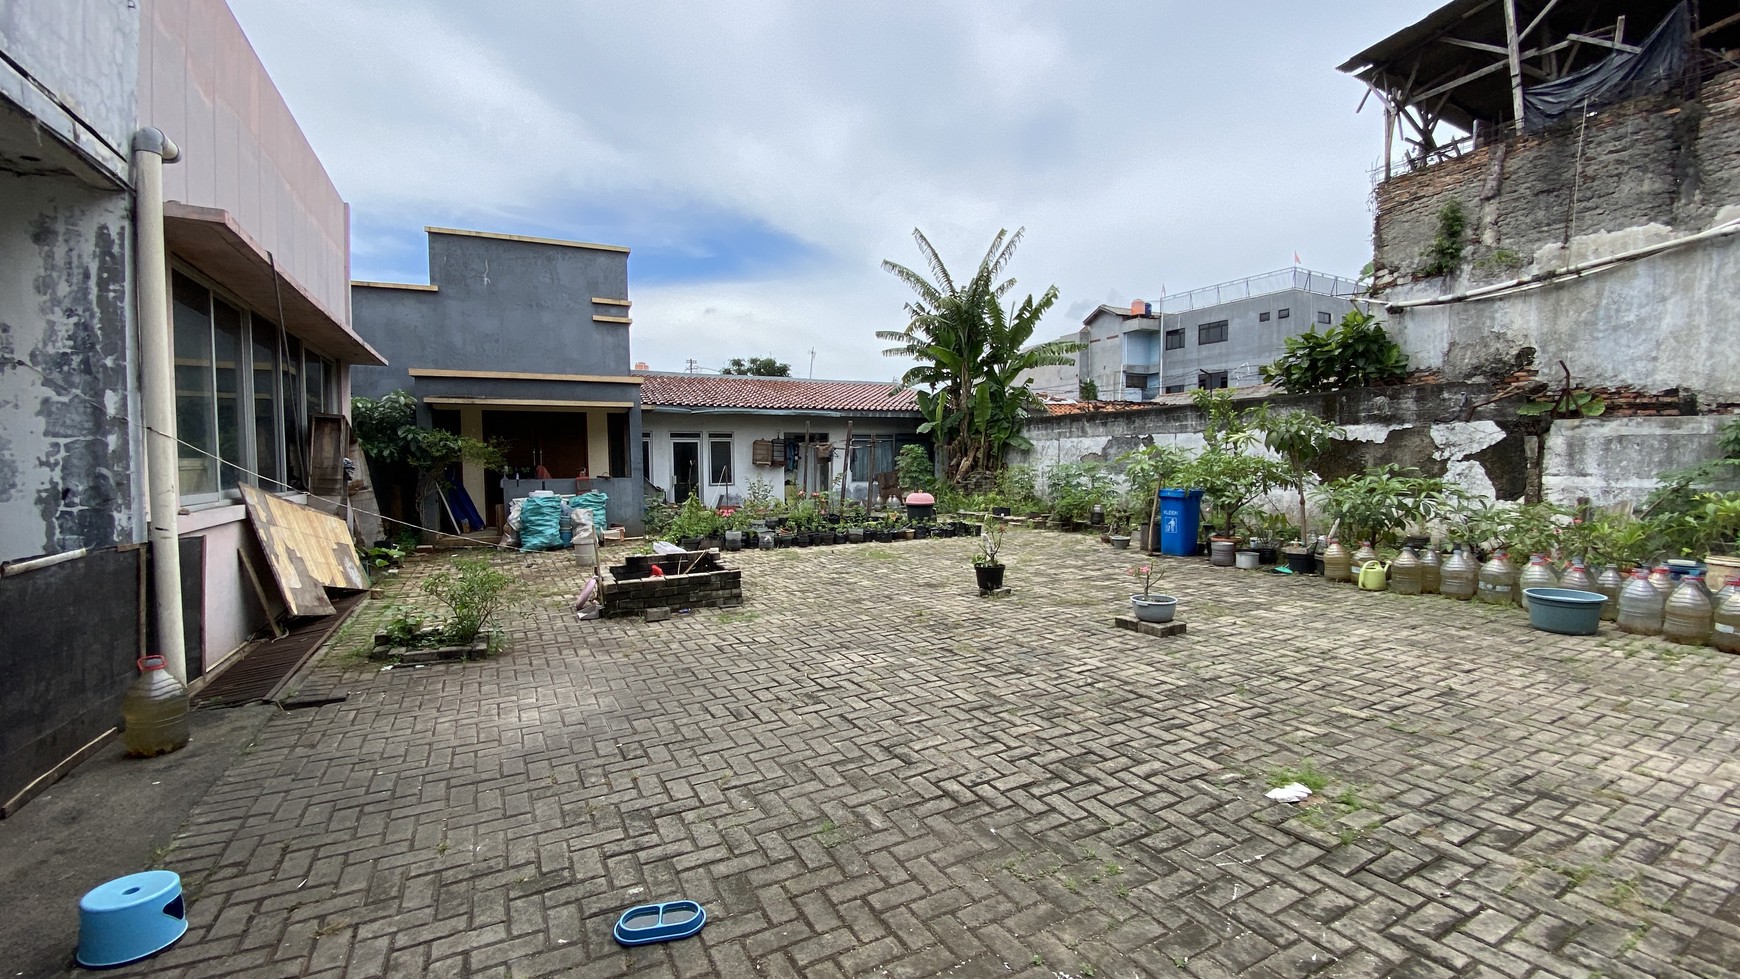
point(1624, 75)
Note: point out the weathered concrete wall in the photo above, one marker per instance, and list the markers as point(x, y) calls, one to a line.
point(66, 465)
point(1610, 460)
point(85, 54)
point(1441, 429)
point(200, 81)
point(1639, 173)
point(1435, 428)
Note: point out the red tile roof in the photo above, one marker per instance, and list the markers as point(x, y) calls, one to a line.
point(771, 393)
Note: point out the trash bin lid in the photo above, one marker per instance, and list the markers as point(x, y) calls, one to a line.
point(920, 498)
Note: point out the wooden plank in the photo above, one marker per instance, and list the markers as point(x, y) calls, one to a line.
point(1718, 25)
point(328, 436)
point(1540, 18)
point(1453, 83)
point(260, 592)
point(307, 551)
point(1515, 62)
point(1605, 43)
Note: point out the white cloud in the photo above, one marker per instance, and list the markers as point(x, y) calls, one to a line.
point(1141, 144)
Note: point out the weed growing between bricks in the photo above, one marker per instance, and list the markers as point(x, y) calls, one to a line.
point(1008, 788)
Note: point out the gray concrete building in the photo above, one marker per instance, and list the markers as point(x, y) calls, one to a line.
point(1214, 337)
point(521, 340)
point(223, 273)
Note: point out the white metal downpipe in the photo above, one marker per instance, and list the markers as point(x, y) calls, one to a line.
point(152, 149)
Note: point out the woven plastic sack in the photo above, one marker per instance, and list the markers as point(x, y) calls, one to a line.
point(595, 502)
point(541, 523)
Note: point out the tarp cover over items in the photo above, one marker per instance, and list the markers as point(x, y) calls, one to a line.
point(1657, 62)
point(542, 519)
point(595, 502)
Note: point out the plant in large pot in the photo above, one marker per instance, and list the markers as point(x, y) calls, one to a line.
point(1149, 607)
point(1298, 437)
point(1230, 476)
point(988, 562)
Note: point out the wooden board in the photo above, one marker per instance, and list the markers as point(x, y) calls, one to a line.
point(329, 436)
point(307, 551)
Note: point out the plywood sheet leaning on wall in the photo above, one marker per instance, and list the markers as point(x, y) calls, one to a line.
point(308, 551)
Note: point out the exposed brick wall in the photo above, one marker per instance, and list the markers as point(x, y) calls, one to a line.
point(1657, 159)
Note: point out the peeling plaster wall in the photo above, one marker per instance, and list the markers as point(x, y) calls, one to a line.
point(1441, 429)
point(66, 465)
point(1614, 459)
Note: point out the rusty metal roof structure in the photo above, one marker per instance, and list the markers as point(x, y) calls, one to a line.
point(1468, 63)
point(787, 394)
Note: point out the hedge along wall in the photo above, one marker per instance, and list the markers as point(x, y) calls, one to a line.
point(1466, 432)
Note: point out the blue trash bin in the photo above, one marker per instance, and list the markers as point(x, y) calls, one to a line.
point(1180, 520)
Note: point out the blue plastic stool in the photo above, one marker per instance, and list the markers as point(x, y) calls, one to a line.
point(130, 918)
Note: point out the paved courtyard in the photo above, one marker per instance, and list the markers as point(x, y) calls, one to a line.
point(870, 771)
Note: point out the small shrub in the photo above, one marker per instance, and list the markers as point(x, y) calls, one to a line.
point(474, 593)
point(1444, 255)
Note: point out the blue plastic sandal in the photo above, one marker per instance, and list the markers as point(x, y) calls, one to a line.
point(660, 922)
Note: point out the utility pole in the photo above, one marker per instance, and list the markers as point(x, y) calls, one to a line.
point(812, 363)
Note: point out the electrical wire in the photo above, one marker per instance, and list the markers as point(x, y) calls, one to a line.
point(258, 478)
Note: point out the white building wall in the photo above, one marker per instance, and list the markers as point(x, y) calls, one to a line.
point(744, 428)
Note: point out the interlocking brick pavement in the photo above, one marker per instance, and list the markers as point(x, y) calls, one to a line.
point(868, 770)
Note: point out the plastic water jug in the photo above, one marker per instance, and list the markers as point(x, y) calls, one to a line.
point(154, 710)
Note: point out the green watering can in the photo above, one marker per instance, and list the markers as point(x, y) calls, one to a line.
point(1374, 576)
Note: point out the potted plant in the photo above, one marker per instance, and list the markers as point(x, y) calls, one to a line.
point(988, 562)
point(1149, 607)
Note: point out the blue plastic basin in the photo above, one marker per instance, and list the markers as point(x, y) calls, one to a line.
point(659, 922)
point(1566, 611)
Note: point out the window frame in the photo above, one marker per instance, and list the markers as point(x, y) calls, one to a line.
point(290, 357)
point(1283, 313)
point(714, 440)
point(1169, 345)
point(1262, 317)
point(1324, 318)
point(1204, 379)
point(1204, 330)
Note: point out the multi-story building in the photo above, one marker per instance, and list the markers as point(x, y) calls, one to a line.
point(1213, 337)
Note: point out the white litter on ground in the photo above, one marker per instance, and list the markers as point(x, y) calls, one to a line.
point(1291, 792)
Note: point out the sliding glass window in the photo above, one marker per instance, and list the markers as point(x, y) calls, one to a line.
point(243, 392)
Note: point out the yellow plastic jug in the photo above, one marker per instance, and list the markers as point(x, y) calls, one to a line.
point(1374, 576)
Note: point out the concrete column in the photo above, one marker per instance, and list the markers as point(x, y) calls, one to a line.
point(598, 443)
point(471, 474)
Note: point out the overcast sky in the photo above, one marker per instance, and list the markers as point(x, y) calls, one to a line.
point(762, 157)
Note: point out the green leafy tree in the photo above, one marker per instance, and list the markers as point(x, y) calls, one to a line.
point(757, 367)
point(387, 430)
point(1356, 353)
point(1298, 437)
point(969, 352)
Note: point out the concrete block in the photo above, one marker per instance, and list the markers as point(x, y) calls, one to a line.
point(656, 614)
point(1157, 629)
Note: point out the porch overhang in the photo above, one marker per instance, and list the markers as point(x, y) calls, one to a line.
point(209, 239)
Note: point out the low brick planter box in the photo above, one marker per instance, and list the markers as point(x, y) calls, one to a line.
point(634, 589)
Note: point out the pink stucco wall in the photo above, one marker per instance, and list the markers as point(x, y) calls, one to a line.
point(242, 151)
